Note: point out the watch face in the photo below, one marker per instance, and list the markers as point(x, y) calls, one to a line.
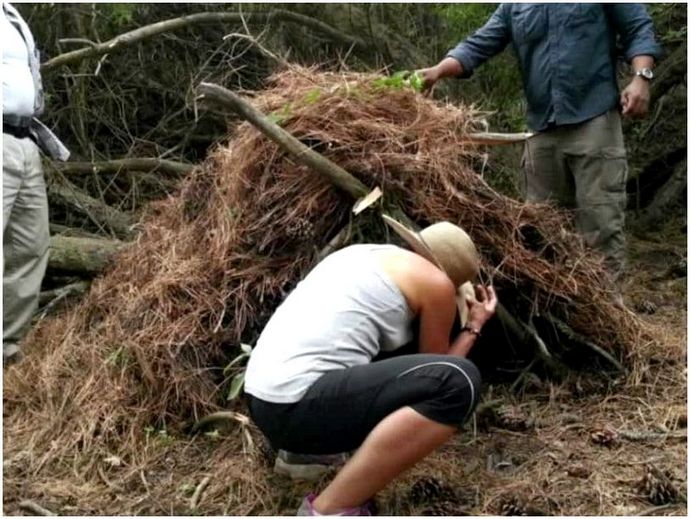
point(647, 73)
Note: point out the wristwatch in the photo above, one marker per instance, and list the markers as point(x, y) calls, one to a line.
point(645, 73)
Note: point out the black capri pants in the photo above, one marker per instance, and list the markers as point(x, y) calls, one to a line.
point(342, 407)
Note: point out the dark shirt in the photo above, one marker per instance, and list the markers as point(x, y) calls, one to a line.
point(566, 54)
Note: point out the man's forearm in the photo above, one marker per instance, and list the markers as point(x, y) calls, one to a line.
point(642, 61)
point(449, 67)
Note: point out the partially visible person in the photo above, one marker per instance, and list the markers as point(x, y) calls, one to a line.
point(24, 204)
point(567, 56)
point(314, 388)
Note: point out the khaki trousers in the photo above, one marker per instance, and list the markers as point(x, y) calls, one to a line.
point(584, 167)
point(25, 237)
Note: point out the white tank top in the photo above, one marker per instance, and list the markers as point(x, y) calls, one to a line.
point(342, 314)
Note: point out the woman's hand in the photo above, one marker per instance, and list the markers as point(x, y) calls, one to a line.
point(481, 307)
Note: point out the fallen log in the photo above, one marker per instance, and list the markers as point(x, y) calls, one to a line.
point(81, 255)
point(63, 192)
point(65, 230)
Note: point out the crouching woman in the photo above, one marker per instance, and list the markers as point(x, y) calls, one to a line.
point(311, 382)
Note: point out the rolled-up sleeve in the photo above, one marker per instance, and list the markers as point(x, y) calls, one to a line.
point(488, 41)
point(636, 30)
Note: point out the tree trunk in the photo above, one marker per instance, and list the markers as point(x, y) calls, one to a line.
point(66, 193)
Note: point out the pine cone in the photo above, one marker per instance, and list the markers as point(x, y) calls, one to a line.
point(430, 489)
point(512, 505)
point(444, 508)
point(604, 436)
point(646, 307)
point(657, 486)
point(512, 418)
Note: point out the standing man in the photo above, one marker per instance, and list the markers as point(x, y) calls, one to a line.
point(566, 52)
point(24, 203)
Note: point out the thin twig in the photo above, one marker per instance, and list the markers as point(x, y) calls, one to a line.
point(35, 508)
point(194, 502)
point(643, 436)
point(78, 40)
point(653, 510)
point(57, 295)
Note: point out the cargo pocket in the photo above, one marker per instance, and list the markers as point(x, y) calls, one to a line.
point(614, 171)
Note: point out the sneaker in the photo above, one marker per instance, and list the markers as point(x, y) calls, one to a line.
point(307, 508)
point(309, 467)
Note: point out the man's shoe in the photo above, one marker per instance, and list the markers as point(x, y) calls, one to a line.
point(307, 508)
point(309, 467)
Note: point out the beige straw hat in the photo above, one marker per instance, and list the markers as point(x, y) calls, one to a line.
point(449, 248)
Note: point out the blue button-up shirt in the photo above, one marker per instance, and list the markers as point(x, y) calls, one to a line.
point(566, 53)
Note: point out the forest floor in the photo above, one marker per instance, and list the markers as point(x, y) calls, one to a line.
point(542, 457)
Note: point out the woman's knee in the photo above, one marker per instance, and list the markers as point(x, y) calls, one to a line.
point(455, 393)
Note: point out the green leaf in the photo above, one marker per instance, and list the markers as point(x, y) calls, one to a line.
point(276, 118)
point(416, 82)
point(236, 386)
point(312, 96)
point(246, 348)
point(214, 434)
point(234, 363)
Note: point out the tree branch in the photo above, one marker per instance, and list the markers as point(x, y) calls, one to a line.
point(131, 164)
point(148, 31)
point(302, 154)
point(34, 508)
point(102, 214)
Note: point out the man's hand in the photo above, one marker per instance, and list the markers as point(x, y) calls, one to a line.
point(482, 307)
point(635, 98)
point(448, 67)
point(429, 77)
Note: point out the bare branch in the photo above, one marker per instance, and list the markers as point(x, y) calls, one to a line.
point(284, 139)
point(148, 31)
point(131, 164)
point(35, 508)
point(100, 213)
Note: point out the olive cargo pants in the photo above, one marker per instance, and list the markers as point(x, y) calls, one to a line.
point(25, 237)
point(584, 167)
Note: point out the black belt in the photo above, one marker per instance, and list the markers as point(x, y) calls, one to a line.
point(16, 131)
point(17, 126)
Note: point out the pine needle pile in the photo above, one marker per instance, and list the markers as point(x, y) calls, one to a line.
point(146, 348)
